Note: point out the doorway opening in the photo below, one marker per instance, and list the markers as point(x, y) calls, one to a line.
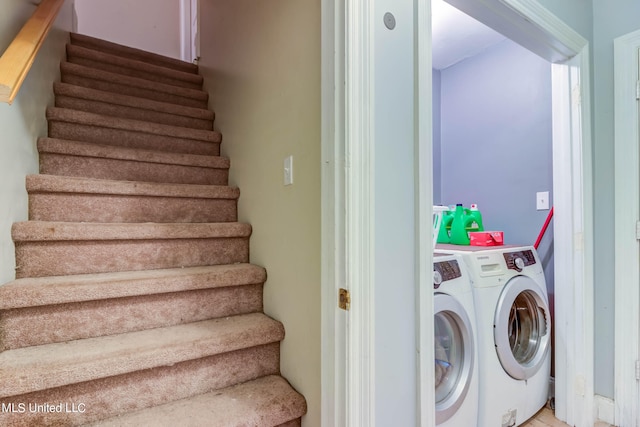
point(480, 132)
point(492, 130)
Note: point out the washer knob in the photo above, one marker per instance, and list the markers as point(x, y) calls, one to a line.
point(518, 263)
point(437, 279)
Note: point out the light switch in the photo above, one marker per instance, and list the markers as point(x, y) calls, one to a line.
point(288, 170)
point(542, 200)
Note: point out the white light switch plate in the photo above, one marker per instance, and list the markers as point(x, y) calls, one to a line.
point(542, 200)
point(288, 170)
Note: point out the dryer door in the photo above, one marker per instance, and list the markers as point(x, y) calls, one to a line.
point(522, 328)
point(454, 352)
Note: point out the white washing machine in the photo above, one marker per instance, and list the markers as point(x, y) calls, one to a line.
point(513, 329)
point(456, 357)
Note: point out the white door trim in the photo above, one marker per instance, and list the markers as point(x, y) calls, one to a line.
point(189, 38)
point(627, 213)
point(348, 362)
point(359, 211)
point(426, 410)
point(333, 320)
point(573, 238)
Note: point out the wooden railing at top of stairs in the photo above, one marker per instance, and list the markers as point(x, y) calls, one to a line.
point(18, 58)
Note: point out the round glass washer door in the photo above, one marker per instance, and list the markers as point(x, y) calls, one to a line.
point(454, 355)
point(522, 328)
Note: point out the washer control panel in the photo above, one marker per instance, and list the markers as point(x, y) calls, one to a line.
point(445, 270)
point(519, 259)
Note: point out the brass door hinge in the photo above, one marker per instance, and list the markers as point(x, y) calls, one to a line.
point(344, 301)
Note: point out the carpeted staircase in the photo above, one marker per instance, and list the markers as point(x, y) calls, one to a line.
point(135, 303)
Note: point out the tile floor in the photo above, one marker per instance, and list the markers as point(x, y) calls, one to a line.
point(545, 418)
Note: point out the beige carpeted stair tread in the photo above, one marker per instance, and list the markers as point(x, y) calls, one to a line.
point(129, 52)
point(63, 184)
point(114, 82)
point(131, 67)
point(33, 326)
point(99, 120)
point(32, 231)
point(41, 291)
point(94, 73)
point(100, 129)
point(99, 200)
point(98, 106)
point(62, 248)
point(85, 159)
point(265, 402)
point(86, 149)
point(65, 89)
point(38, 368)
point(112, 396)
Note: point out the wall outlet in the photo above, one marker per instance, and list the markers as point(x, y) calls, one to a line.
point(542, 200)
point(288, 170)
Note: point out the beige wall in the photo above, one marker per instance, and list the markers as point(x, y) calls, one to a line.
point(24, 121)
point(151, 25)
point(261, 61)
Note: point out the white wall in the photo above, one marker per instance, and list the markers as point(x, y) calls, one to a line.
point(261, 62)
point(24, 121)
point(151, 25)
point(395, 221)
point(609, 23)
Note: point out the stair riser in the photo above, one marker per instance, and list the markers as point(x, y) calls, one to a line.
point(127, 170)
point(116, 208)
point(133, 73)
point(136, 54)
point(126, 112)
point(132, 91)
point(57, 258)
point(142, 389)
point(130, 139)
point(66, 322)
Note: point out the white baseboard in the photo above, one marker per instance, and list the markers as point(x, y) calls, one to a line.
point(604, 409)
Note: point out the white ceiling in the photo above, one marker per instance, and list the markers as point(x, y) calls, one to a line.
point(457, 36)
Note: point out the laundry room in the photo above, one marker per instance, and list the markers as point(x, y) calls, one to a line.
point(493, 148)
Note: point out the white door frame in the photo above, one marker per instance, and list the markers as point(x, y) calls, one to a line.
point(573, 243)
point(347, 208)
point(189, 31)
point(627, 214)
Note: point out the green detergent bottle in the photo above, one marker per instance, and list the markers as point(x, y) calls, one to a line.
point(464, 221)
point(445, 227)
point(474, 223)
point(459, 234)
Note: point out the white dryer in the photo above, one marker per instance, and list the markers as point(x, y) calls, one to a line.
point(514, 331)
point(456, 358)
